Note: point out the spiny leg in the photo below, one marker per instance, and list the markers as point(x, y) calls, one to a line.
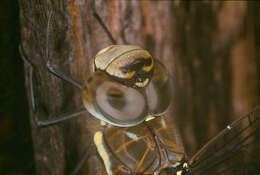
point(82, 160)
point(50, 68)
point(101, 22)
point(44, 123)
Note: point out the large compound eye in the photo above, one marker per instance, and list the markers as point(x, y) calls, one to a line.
point(113, 102)
point(160, 90)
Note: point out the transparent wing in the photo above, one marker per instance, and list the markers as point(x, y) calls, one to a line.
point(235, 150)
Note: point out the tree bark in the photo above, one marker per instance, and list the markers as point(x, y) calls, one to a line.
point(216, 79)
point(201, 44)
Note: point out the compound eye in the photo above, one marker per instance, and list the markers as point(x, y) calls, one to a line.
point(113, 102)
point(160, 90)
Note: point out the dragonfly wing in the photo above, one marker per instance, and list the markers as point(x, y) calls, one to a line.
point(235, 150)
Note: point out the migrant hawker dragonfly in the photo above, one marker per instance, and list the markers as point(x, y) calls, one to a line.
point(130, 92)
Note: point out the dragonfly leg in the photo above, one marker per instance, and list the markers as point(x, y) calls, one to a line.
point(81, 161)
point(50, 68)
point(44, 123)
point(101, 22)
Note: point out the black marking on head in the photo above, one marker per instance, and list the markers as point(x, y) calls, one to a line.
point(138, 77)
point(136, 65)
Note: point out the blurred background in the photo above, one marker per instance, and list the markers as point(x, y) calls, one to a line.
point(212, 50)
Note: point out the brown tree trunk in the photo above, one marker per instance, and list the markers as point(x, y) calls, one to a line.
point(216, 79)
point(207, 47)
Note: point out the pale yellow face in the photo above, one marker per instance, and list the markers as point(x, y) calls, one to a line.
point(128, 64)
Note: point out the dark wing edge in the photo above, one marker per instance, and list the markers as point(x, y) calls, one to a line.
point(233, 149)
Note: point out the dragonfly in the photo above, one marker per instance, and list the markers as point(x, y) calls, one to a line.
point(129, 92)
point(235, 150)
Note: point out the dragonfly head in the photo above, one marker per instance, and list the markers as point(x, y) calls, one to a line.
point(127, 87)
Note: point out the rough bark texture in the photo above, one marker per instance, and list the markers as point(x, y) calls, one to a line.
point(216, 69)
point(210, 48)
